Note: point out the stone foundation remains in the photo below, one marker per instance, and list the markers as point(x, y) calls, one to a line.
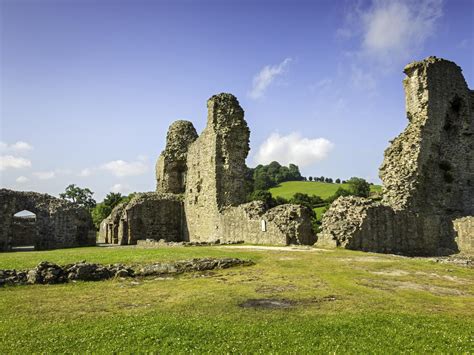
point(427, 174)
point(58, 223)
point(200, 191)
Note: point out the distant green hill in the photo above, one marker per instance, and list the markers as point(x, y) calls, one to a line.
point(322, 189)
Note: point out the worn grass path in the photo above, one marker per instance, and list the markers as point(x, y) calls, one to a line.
point(344, 301)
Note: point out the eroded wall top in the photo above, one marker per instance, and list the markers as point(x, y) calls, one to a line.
point(429, 167)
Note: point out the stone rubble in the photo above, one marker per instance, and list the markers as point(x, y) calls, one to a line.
point(50, 273)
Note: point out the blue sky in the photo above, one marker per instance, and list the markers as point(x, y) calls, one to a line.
point(89, 88)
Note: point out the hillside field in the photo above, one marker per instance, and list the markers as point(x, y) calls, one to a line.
point(321, 189)
point(337, 301)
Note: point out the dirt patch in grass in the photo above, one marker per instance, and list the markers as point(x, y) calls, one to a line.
point(392, 285)
point(370, 259)
point(282, 303)
point(269, 289)
point(391, 273)
point(265, 248)
point(268, 303)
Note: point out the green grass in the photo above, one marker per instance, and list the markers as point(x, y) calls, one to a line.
point(322, 189)
point(384, 304)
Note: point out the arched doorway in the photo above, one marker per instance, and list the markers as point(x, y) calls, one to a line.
point(24, 231)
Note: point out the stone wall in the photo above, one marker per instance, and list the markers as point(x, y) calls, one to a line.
point(24, 231)
point(216, 167)
point(281, 225)
point(211, 169)
point(59, 223)
point(147, 216)
point(171, 168)
point(427, 174)
point(465, 234)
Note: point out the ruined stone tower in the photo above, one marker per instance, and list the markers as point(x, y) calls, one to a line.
point(427, 174)
point(171, 166)
point(216, 166)
point(429, 168)
point(201, 191)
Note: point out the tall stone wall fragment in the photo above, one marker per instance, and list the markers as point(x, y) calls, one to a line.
point(171, 166)
point(216, 167)
point(427, 174)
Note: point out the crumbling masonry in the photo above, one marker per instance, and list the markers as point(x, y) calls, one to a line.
point(200, 191)
point(58, 223)
point(427, 174)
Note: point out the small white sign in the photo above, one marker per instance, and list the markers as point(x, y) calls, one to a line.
point(264, 226)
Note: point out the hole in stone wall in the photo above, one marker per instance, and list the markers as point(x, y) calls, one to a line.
point(448, 177)
point(23, 231)
point(456, 104)
point(445, 165)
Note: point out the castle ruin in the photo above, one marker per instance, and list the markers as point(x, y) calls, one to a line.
point(200, 195)
point(57, 224)
point(427, 174)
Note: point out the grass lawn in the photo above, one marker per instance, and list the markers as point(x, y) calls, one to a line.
point(344, 301)
point(322, 189)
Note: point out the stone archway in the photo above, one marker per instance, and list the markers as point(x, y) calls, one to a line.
point(24, 231)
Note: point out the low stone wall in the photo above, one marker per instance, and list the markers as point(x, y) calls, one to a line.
point(282, 225)
point(50, 273)
point(361, 224)
point(465, 234)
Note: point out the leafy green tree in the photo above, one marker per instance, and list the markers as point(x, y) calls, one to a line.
point(339, 192)
point(103, 209)
point(113, 199)
point(338, 181)
point(264, 196)
point(280, 201)
point(359, 187)
point(262, 181)
point(79, 196)
point(310, 178)
point(99, 213)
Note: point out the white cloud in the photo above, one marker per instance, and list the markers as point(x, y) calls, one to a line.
point(122, 168)
point(9, 161)
point(45, 175)
point(122, 188)
point(22, 179)
point(85, 172)
point(19, 146)
point(293, 148)
point(265, 77)
point(395, 30)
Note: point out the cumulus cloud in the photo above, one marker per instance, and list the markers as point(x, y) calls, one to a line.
point(293, 148)
point(45, 175)
point(121, 168)
point(19, 146)
point(394, 30)
point(122, 188)
point(85, 172)
point(22, 179)
point(11, 162)
point(265, 77)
